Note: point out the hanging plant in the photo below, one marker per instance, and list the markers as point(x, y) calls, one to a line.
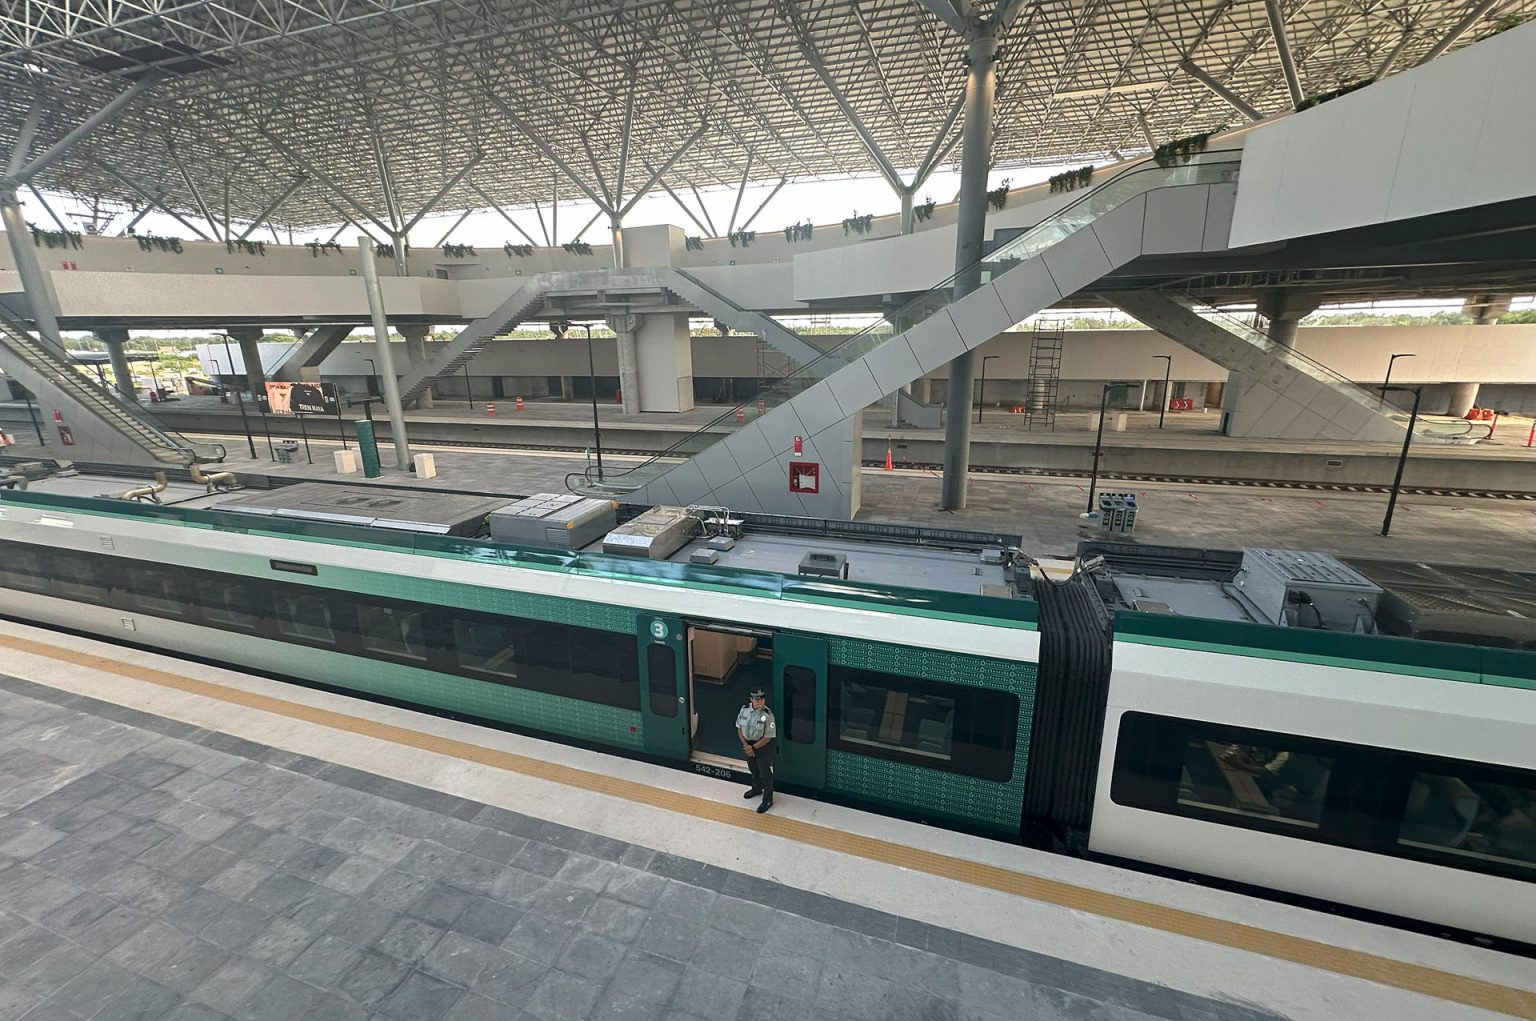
point(150, 242)
point(859, 224)
point(1506, 23)
point(693, 243)
point(246, 247)
point(924, 212)
point(1342, 90)
point(744, 238)
point(55, 238)
point(799, 232)
point(997, 198)
point(459, 251)
point(319, 248)
point(577, 247)
point(521, 251)
point(1071, 180)
point(386, 250)
point(1182, 150)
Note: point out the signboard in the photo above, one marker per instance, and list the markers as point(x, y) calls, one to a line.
point(804, 477)
point(301, 399)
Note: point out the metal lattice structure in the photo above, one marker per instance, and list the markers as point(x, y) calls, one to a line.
point(305, 112)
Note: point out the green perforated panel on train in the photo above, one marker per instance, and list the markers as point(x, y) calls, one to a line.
point(517, 706)
point(936, 791)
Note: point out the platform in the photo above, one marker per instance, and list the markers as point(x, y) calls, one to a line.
point(187, 842)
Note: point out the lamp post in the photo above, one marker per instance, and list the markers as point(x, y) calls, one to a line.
point(1098, 442)
point(981, 393)
point(373, 376)
point(1402, 459)
point(1388, 377)
point(245, 424)
point(1162, 412)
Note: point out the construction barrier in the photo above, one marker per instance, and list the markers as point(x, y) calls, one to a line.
point(517, 404)
point(490, 410)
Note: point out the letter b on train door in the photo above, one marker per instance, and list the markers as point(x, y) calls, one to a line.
point(663, 686)
point(800, 707)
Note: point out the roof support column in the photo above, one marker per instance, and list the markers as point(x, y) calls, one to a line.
point(1231, 98)
point(971, 230)
point(1458, 30)
point(35, 282)
point(390, 382)
point(1283, 48)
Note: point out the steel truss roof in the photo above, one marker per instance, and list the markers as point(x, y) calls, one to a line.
point(261, 93)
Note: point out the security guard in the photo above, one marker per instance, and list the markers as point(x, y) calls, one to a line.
point(758, 732)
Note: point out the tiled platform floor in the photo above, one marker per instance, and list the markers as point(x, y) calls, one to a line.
point(153, 870)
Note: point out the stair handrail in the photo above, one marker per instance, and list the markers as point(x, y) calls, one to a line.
point(859, 344)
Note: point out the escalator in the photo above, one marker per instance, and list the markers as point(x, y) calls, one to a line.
point(114, 430)
point(1059, 256)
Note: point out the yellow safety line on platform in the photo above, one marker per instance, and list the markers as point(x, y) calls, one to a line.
point(1311, 953)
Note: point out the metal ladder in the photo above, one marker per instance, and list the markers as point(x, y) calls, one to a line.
point(1044, 374)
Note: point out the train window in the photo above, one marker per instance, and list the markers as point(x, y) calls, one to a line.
point(800, 704)
point(73, 578)
point(926, 723)
point(391, 631)
point(23, 569)
point(486, 646)
point(661, 669)
point(1468, 816)
point(227, 603)
point(305, 615)
point(1269, 782)
point(158, 592)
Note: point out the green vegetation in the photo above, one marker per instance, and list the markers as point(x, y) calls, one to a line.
point(1446, 318)
point(1527, 315)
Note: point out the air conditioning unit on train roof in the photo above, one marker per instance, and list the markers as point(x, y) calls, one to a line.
point(655, 535)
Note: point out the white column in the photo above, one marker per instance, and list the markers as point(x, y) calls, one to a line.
point(416, 350)
point(664, 363)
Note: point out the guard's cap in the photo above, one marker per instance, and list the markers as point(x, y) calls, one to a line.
point(757, 693)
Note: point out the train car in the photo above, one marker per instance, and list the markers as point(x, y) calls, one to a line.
point(1201, 711)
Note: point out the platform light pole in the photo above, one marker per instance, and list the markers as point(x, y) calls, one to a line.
point(981, 393)
point(597, 429)
point(245, 423)
point(373, 377)
point(1098, 442)
point(1388, 377)
point(1402, 459)
point(1162, 411)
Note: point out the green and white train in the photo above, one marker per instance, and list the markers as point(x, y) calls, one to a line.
point(1386, 773)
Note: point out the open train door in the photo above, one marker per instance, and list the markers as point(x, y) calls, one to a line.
point(664, 685)
point(800, 705)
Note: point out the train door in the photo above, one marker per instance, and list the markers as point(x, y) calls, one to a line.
point(663, 686)
point(800, 703)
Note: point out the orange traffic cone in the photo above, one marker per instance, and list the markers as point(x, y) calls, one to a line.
point(887, 458)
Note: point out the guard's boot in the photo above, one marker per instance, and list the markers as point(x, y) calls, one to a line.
point(754, 792)
point(765, 806)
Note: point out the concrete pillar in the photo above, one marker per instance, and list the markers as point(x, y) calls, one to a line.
point(1463, 397)
point(664, 363)
point(122, 373)
point(922, 390)
point(1485, 309)
point(249, 338)
point(416, 350)
point(1285, 309)
point(624, 328)
point(568, 387)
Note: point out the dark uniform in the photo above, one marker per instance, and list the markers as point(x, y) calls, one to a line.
point(758, 731)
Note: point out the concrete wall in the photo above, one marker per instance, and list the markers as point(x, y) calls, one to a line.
point(1455, 133)
point(1482, 354)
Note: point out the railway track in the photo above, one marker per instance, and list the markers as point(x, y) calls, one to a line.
point(1059, 473)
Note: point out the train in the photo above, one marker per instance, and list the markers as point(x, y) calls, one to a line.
point(1238, 715)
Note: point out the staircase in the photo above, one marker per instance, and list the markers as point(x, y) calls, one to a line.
point(525, 301)
point(1281, 392)
point(115, 431)
point(1044, 374)
point(700, 295)
point(816, 414)
point(311, 350)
